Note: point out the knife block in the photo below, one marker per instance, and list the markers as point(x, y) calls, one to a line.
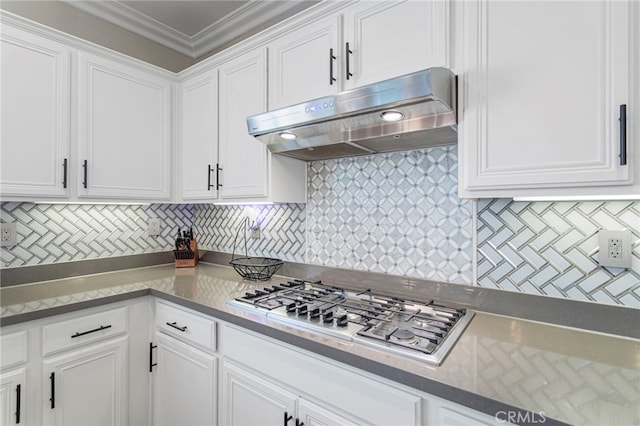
point(191, 261)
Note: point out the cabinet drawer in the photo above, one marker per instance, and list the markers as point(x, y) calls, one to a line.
point(14, 349)
point(82, 330)
point(186, 326)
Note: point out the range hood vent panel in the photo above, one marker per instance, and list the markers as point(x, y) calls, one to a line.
point(349, 123)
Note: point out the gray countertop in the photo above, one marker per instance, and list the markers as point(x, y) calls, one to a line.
point(500, 363)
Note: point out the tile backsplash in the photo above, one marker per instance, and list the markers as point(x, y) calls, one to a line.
point(395, 213)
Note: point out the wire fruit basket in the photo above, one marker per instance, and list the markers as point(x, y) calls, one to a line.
point(253, 268)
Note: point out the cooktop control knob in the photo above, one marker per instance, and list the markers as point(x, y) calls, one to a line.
point(302, 310)
point(342, 321)
point(327, 317)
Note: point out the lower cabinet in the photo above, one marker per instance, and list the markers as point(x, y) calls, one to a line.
point(184, 386)
point(265, 382)
point(12, 397)
point(87, 386)
point(184, 367)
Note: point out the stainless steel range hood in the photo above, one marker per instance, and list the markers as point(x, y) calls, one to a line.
point(350, 123)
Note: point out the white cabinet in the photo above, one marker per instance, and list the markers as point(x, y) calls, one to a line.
point(243, 158)
point(87, 385)
point(391, 38)
point(443, 412)
point(12, 402)
point(306, 63)
point(277, 381)
point(185, 369)
point(35, 114)
point(249, 171)
point(13, 379)
point(184, 384)
point(541, 88)
point(246, 399)
point(199, 137)
point(124, 131)
point(363, 44)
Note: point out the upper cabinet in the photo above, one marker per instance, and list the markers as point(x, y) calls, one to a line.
point(391, 38)
point(220, 161)
point(199, 168)
point(304, 65)
point(365, 43)
point(124, 131)
point(543, 91)
point(35, 115)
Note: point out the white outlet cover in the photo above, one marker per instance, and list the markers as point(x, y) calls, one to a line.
point(154, 227)
point(8, 235)
point(614, 248)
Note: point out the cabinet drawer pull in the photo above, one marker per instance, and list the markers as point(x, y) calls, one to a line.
point(298, 422)
point(218, 170)
point(64, 173)
point(151, 363)
point(52, 380)
point(18, 394)
point(348, 53)
point(84, 174)
point(174, 325)
point(102, 327)
point(331, 59)
point(287, 417)
point(209, 186)
point(623, 134)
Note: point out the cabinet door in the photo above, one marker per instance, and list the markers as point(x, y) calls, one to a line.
point(243, 158)
point(124, 131)
point(87, 386)
point(312, 414)
point(392, 38)
point(541, 89)
point(302, 64)
point(199, 142)
point(184, 384)
point(34, 144)
point(12, 401)
point(251, 401)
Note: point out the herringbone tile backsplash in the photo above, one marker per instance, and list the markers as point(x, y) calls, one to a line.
point(392, 213)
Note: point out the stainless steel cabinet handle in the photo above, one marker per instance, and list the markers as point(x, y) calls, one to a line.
point(623, 134)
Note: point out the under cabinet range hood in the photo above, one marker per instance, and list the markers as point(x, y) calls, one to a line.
point(413, 111)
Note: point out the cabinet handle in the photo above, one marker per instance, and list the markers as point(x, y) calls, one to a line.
point(52, 379)
point(209, 186)
point(84, 174)
point(151, 363)
point(218, 170)
point(331, 59)
point(298, 422)
point(18, 394)
point(174, 325)
point(348, 53)
point(102, 327)
point(287, 417)
point(64, 173)
point(623, 134)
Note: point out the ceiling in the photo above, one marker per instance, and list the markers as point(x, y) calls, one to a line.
point(193, 28)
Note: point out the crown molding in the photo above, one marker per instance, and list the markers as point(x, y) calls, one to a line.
point(241, 22)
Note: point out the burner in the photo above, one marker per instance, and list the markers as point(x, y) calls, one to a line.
point(404, 334)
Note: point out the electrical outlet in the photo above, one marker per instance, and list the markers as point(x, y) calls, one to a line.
point(154, 227)
point(254, 232)
point(8, 235)
point(615, 248)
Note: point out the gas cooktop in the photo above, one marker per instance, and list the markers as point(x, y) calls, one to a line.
point(421, 330)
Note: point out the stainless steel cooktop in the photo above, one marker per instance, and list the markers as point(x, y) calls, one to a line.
point(421, 330)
